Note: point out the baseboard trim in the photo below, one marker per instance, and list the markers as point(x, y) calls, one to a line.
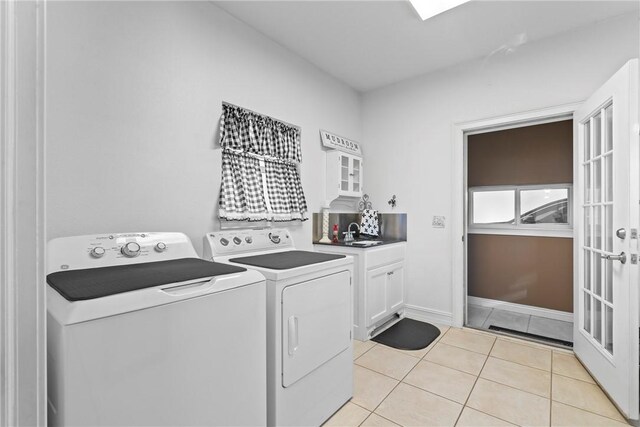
point(428, 315)
point(521, 308)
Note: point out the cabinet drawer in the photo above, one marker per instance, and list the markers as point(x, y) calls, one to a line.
point(384, 255)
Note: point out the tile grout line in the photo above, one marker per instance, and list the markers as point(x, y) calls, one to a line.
point(401, 382)
point(365, 352)
point(390, 391)
point(520, 364)
point(496, 338)
point(379, 373)
point(586, 382)
point(515, 388)
point(377, 415)
point(391, 348)
point(551, 391)
point(473, 351)
point(591, 412)
point(464, 405)
point(577, 379)
point(433, 345)
point(550, 399)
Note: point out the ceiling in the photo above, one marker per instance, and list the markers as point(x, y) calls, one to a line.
point(369, 44)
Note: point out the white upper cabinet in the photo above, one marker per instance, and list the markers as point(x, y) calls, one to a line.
point(344, 175)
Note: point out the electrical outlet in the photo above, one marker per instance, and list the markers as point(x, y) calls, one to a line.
point(438, 221)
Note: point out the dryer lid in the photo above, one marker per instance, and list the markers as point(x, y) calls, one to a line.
point(286, 260)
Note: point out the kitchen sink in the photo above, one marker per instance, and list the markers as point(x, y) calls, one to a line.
point(366, 243)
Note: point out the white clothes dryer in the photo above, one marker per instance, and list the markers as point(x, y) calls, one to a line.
point(309, 321)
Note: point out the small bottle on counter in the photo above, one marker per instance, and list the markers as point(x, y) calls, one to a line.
point(335, 233)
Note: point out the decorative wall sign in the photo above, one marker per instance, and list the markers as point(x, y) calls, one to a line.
point(332, 140)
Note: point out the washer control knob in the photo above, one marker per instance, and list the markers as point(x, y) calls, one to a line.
point(237, 240)
point(161, 247)
point(274, 238)
point(224, 242)
point(97, 252)
point(130, 249)
point(248, 239)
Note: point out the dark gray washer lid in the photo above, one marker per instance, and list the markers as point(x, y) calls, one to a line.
point(90, 283)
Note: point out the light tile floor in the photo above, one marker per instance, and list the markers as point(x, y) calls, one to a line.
point(483, 317)
point(471, 378)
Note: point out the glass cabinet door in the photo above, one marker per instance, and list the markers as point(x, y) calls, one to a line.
point(344, 173)
point(356, 174)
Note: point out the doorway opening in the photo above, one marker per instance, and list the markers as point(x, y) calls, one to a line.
point(519, 230)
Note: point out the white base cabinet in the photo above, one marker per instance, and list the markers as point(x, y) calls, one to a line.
point(379, 291)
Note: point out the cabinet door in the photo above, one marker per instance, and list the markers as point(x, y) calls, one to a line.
point(395, 286)
point(376, 295)
point(345, 174)
point(356, 175)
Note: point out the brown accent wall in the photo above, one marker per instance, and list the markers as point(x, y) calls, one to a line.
point(526, 270)
point(541, 154)
point(535, 271)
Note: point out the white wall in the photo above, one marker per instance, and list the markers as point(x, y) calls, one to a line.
point(407, 133)
point(134, 93)
point(134, 97)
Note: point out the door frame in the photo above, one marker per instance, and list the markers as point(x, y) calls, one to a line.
point(459, 207)
point(23, 397)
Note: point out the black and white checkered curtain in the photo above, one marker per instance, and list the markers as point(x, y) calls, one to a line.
point(260, 178)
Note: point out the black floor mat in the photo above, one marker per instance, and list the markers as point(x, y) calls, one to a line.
point(408, 334)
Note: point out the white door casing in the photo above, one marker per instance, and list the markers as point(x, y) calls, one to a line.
point(22, 214)
point(460, 131)
point(606, 199)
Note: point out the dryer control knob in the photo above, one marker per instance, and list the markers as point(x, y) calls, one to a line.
point(224, 242)
point(161, 247)
point(248, 239)
point(130, 249)
point(97, 252)
point(237, 240)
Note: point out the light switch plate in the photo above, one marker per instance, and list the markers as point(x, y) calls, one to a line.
point(438, 221)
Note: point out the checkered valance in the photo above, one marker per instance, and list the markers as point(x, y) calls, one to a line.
point(260, 160)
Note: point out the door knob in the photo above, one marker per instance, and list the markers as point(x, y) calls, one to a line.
point(622, 257)
point(621, 233)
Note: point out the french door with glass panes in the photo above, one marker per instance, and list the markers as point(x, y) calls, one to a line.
point(606, 296)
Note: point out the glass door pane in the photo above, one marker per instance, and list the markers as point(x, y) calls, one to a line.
point(597, 209)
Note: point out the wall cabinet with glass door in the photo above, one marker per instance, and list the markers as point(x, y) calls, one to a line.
point(344, 175)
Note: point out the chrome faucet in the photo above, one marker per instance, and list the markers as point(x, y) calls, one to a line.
point(348, 235)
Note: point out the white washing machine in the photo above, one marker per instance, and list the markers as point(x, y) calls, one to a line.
point(309, 312)
point(143, 332)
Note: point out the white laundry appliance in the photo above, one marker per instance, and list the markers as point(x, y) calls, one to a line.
point(140, 331)
point(309, 312)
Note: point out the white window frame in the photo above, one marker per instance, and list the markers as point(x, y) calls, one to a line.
point(543, 230)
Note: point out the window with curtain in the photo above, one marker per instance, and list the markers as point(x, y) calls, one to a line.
point(260, 161)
